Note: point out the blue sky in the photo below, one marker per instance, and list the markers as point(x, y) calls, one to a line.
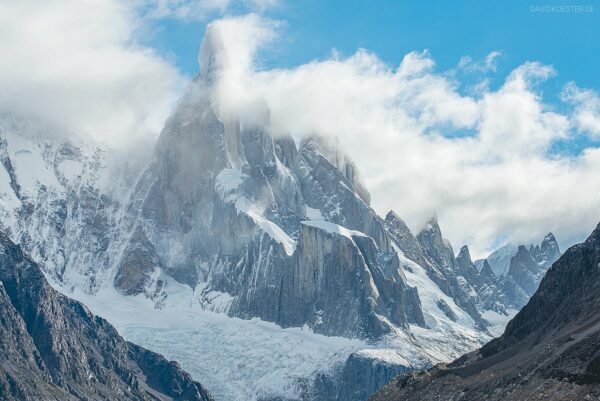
point(450, 30)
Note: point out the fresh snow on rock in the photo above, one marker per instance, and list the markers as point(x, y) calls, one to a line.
point(333, 228)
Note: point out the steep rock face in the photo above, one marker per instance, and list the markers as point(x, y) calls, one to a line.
point(467, 270)
point(432, 253)
point(456, 277)
point(55, 349)
point(404, 239)
point(548, 251)
point(60, 202)
point(495, 294)
point(549, 351)
point(343, 282)
point(524, 270)
point(527, 268)
point(435, 246)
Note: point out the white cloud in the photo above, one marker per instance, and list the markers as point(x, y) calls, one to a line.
point(201, 9)
point(587, 108)
point(76, 64)
point(486, 65)
point(491, 179)
point(185, 9)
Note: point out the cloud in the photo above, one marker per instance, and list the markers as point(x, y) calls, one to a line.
point(481, 161)
point(201, 9)
point(185, 9)
point(488, 64)
point(76, 64)
point(587, 108)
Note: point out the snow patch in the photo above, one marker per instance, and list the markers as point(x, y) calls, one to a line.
point(274, 231)
point(228, 180)
point(385, 355)
point(333, 228)
point(314, 214)
point(498, 321)
point(70, 169)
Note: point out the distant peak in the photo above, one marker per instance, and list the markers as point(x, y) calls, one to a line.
point(392, 216)
point(464, 256)
point(486, 269)
point(549, 238)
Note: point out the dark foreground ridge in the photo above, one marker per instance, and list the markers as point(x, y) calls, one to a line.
point(53, 348)
point(549, 351)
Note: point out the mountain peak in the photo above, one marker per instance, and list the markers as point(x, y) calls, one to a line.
point(464, 256)
point(486, 269)
point(213, 55)
point(332, 149)
point(549, 241)
point(433, 220)
point(393, 218)
point(431, 225)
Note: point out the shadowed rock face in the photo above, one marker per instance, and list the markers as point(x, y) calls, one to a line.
point(549, 351)
point(53, 348)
